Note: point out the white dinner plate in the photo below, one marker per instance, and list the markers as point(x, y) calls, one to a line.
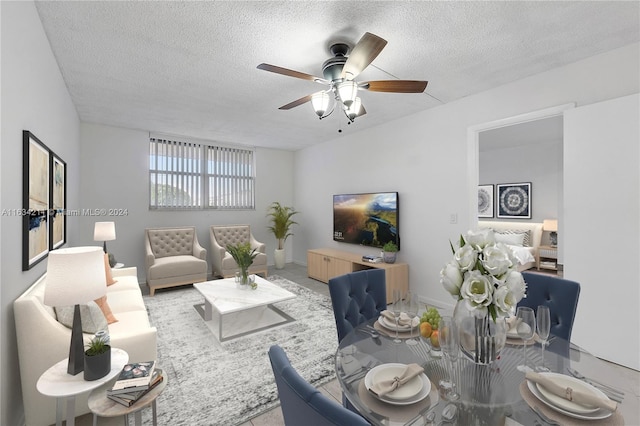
point(391, 325)
point(422, 383)
point(565, 404)
point(599, 414)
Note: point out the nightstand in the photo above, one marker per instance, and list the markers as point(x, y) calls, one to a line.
point(547, 258)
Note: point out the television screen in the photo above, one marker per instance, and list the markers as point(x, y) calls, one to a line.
point(367, 219)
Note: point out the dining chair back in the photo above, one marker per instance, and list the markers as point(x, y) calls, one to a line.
point(303, 404)
point(357, 297)
point(559, 294)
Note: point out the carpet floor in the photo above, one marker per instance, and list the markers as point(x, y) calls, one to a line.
point(228, 383)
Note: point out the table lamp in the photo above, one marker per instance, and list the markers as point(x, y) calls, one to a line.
point(104, 231)
point(75, 276)
point(551, 225)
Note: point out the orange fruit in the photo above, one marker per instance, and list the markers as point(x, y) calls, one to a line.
point(435, 342)
point(425, 330)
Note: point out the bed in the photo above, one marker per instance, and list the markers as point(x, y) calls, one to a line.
point(522, 237)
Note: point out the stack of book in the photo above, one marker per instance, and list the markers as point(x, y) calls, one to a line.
point(135, 381)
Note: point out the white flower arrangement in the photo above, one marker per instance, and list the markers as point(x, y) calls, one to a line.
point(484, 275)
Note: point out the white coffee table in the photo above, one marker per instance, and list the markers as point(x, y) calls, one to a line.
point(253, 309)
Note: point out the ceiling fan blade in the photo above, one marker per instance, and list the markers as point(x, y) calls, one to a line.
point(291, 73)
point(394, 86)
point(362, 54)
point(297, 102)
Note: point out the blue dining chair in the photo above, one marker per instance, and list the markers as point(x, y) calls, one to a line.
point(357, 297)
point(303, 404)
point(559, 294)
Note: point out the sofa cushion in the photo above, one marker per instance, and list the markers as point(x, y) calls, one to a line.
point(176, 266)
point(106, 309)
point(126, 282)
point(130, 323)
point(229, 263)
point(91, 315)
point(125, 301)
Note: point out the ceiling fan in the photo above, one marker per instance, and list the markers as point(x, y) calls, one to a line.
point(339, 73)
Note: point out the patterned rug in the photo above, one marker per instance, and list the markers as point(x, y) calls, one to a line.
point(213, 383)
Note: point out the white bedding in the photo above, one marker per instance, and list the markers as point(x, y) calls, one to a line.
point(523, 254)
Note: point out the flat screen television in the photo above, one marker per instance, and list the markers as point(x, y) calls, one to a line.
point(369, 219)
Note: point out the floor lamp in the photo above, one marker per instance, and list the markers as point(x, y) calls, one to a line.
point(75, 276)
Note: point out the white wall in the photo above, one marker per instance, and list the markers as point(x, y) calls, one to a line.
point(115, 175)
point(424, 158)
point(34, 98)
point(602, 225)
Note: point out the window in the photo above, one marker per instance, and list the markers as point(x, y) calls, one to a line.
point(195, 176)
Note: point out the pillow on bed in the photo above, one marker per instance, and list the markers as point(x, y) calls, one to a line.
point(511, 239)
point(506, 233)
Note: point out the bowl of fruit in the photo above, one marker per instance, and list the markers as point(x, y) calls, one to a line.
point(429, 327)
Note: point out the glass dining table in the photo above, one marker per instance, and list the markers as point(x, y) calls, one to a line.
point(495, 394)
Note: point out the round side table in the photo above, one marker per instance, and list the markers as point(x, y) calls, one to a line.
point(101, 406)
point(56, 382)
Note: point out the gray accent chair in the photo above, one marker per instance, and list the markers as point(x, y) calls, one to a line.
point(223, 263)
point(174, 257)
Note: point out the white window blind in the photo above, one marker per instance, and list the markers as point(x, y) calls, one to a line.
point(188, 175)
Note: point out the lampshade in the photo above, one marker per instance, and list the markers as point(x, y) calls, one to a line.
point(347, 91)
point(320, 102)
point(354, 109)
point(550, 225)
point(75, 276)
point(104, 231)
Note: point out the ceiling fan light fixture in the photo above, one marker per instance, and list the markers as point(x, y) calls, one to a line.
point(320, 102)
point(347, 91)
point(353, 110)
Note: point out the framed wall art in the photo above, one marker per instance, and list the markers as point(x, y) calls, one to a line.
point(35, 200)
point(58, 202)
point(485, 201)
point(514, 200)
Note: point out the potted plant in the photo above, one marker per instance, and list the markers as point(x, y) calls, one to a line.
point(390, 251)
point(243, 254)
point(281, 219)
point(97, 359)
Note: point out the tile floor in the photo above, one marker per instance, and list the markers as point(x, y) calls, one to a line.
point(298, 273)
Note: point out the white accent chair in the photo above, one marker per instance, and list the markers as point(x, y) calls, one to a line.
point(174, 257)
point(223, 263)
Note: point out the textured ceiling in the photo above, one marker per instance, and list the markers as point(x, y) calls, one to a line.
point(189, 68)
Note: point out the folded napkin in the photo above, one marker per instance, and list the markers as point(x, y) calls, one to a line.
point(566, 392)
point(383, 387)
point(404, 319)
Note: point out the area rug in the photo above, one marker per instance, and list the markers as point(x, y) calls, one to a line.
point(229, 383)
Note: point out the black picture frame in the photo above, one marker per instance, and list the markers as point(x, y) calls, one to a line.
point(513, 200)
point(36, 192)
point(485, 201)
point(57, 202)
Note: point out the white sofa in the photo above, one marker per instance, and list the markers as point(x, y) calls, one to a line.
point(43, 341)
point(535, 234)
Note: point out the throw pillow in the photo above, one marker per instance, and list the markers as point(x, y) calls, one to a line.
point(525, 232)
point(106, 309)
point(107, 271)
point(510, 239)
point(93, 320)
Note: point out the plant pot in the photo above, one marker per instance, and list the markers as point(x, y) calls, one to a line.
point(389, 256)
point(97, 366)
point(279, 258)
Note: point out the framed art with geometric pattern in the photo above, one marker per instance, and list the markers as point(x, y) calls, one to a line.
point(514, 200)
point(485, 201)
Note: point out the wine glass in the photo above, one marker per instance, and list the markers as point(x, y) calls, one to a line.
point(411, 303)
point(450, 346)
point(526, 326)
point(543, 325)
point(397, 310)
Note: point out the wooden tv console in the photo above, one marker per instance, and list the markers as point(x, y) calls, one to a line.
point(324, 264)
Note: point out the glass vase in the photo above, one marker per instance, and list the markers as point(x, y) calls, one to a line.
point(481, 338)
